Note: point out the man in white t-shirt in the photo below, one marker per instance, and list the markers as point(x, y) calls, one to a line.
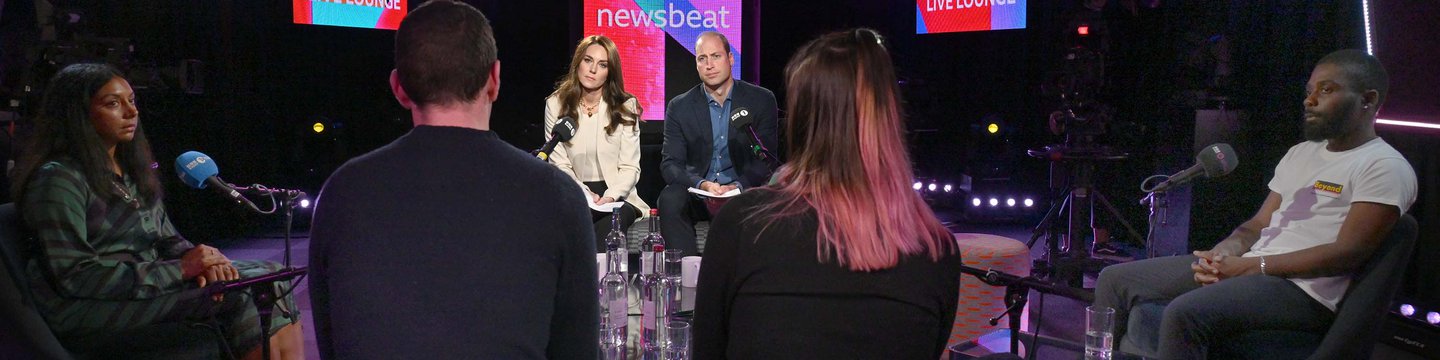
point(1332, 201)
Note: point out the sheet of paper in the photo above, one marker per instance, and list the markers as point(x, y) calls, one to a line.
point(606, 207)
point(727, 194)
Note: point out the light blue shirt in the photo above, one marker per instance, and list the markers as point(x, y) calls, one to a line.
point(722, 170)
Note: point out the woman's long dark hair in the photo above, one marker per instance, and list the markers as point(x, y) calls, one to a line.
point(63, 132)
point(848, 158)
point(569, 90)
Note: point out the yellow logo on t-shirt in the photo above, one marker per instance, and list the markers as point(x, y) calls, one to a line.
point(1328, 188)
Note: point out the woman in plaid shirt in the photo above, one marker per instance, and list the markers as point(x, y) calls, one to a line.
point(109, 260)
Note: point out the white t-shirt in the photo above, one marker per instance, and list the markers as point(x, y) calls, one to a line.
point(1317, 187)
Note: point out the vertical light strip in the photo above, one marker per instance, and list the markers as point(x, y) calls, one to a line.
point(1369, 44)
point(1370, 49)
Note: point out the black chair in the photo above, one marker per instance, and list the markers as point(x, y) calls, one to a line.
point(1351, 336)
point(25, 335)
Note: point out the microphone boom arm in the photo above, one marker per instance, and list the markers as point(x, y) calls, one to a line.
point(764, 152)
point(1017, 291)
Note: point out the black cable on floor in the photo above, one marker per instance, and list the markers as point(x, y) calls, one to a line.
point(1035, 338)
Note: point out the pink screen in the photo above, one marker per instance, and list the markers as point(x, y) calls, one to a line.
point(640, 28)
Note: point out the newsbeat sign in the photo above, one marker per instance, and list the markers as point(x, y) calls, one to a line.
point(641, 29)
point(664, 18)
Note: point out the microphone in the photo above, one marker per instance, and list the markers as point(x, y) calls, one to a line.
point(563, 131)
point(740, 119)
point(1214, 160)
point(198, 170)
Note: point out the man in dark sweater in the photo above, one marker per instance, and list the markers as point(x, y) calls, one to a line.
point(449, 243)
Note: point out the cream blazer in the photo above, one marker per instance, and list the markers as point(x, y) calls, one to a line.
point(618, 154)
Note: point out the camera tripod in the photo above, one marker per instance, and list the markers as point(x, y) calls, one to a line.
point(1065, 225)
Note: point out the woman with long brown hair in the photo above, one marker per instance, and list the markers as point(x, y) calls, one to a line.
point(839, 258)
point(604, 155)
point(109, 261)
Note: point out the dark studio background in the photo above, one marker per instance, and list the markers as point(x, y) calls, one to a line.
point(266, 81)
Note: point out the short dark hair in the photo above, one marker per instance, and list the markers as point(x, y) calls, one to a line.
point(1363, 70)
point(444, 51)
point(724, 41)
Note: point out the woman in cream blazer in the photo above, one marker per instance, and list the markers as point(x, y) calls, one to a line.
point(604, 155)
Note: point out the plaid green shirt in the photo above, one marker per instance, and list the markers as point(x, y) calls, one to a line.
point(111, 265)
point(94, 249)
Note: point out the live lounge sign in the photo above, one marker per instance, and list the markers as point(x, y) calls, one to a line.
point(936, 16)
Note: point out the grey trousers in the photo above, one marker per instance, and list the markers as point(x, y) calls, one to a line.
point(1198, 317)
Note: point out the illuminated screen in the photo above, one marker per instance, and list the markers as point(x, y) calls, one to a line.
point(1402, 34)
point(941, 16)
point(370, 14)
point(646, 31)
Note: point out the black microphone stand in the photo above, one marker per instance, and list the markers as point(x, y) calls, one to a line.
point(1017, 291)
point(262, 288)
point(1158, 200)
point(287, 201)
point(1158, 203)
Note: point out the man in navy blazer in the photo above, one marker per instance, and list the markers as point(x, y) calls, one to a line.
point(704, 150)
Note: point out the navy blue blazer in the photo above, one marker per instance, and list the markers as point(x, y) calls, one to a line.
point(688, 137)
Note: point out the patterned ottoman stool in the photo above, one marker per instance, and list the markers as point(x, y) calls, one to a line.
point(980, 302)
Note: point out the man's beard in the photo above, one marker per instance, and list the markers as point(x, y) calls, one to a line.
point(1323, 128)
point(1326, 126)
